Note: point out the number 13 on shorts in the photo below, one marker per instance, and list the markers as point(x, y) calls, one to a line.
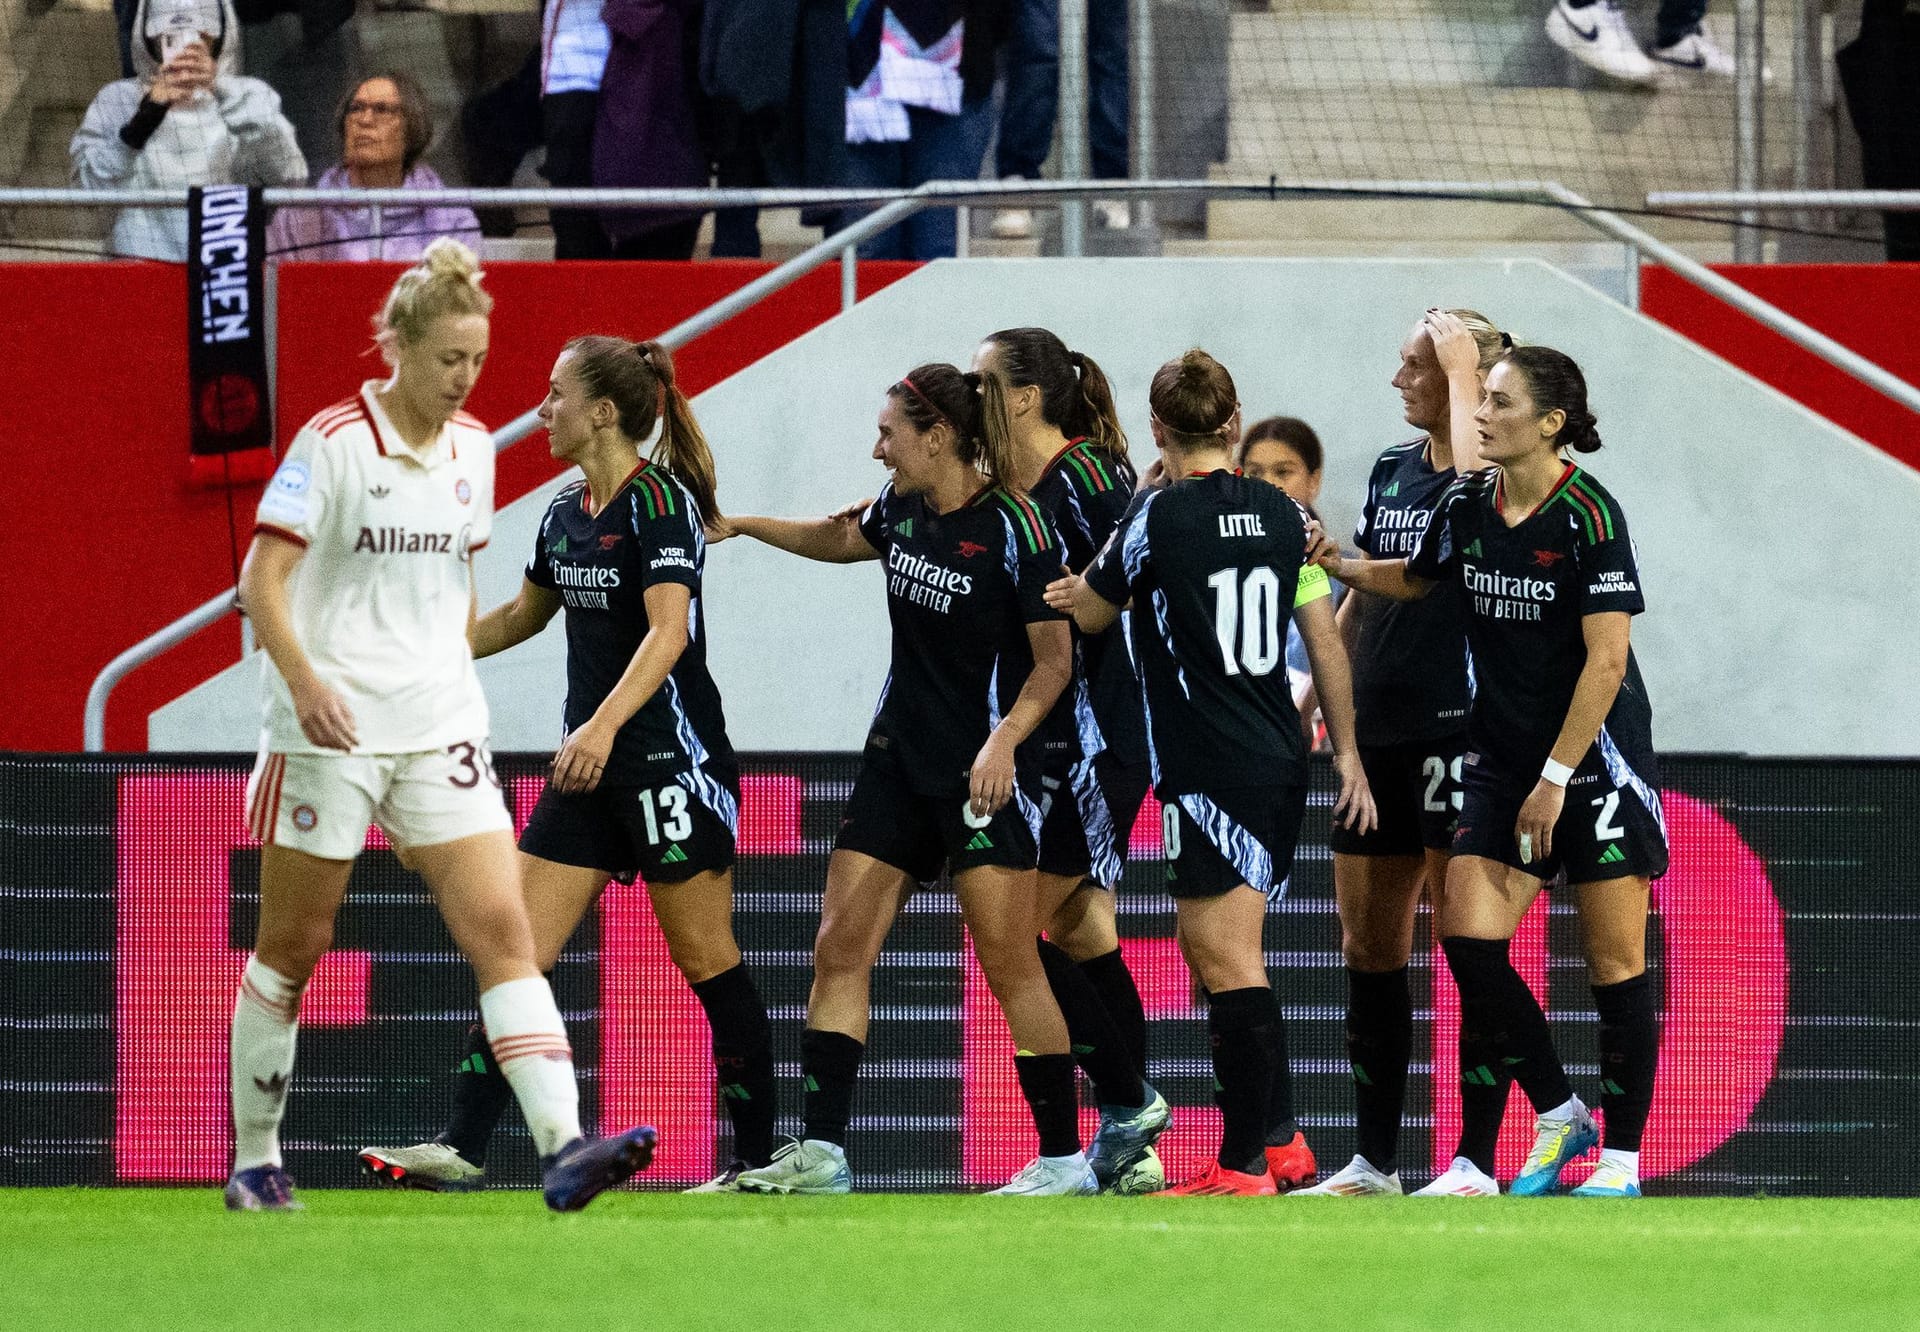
point(666, 814)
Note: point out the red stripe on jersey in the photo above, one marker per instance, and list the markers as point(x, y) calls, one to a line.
point(280, 532)
point(326, 422)
point(1054, 461)
point(586, 491)
point(469, 419)
point(366, 410)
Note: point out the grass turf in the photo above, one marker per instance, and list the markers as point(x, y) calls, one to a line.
point(153, 1257)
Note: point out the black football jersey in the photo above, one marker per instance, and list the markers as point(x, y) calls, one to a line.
point(1212, 564)
point(962, 587)
point(1410, 667)
point(1526, 589)
point(601, 565)
point(1084, 492)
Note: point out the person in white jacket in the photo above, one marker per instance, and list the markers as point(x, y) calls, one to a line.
point(188, 117)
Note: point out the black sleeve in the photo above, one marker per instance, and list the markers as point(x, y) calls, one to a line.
point(146, 119)
point(1610, 574)
point(876, 524)
point(1125, 556)
point(1039, 565)
point(667, 547)
point(1435, 557)
point(539, 568)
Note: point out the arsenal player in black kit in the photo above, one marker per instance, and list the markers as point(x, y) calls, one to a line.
point(1213, 564)
point(1410, 696)
point(949, 778)
point(645, 784)
point(1559, 771)
point(1073, 464)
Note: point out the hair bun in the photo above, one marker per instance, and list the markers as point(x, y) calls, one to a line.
point(446, 257)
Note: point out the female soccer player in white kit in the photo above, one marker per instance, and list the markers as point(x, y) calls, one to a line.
point(359, 585)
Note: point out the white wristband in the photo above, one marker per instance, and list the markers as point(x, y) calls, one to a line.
point(1557, 773)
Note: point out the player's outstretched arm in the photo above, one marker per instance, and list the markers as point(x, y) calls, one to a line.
point(990, 780)
point(1333, 683)
point(324, 716)
point(1091, 612)
point(583, 758)
point(832, 540)
point(512, 623)
point(1386, 578)
point(1607, 634)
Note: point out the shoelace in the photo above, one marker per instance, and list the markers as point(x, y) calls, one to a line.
point(1546, 1152)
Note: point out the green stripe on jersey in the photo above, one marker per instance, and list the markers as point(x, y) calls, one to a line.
point(1585, 487)
point(1313, 585)
point(663, 483)
point(1079, 466)
point(1089, 458)
point(1031, 530)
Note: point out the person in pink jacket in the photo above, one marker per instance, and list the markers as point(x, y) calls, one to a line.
point(385, 127)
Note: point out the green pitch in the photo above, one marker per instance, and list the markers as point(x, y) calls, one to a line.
point(173, 1258)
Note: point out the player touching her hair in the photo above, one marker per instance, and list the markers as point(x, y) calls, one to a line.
point(646, 784)
point(1411, 691)
point(949, 777)
point(1559, 770)
point(1072, 456)
point(1214, 564)
point(359, 584)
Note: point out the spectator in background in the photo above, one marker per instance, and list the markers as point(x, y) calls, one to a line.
point(919, 107)
point(1033, 104)
point(1284, 451)
point(646, 134)
point(187, 118)
point(384, 126)
point(574, 44)
point(1595, 33)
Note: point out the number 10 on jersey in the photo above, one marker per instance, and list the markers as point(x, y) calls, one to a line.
point(1246, 619)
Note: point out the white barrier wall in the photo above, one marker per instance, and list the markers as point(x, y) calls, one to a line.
point(1756, 640)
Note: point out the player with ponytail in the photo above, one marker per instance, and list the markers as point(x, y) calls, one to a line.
point(359, 583)
point(1071, 456)
point(1559, 771)
point(950, 773)
point(646, 784)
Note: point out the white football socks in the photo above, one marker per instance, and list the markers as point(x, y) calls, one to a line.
point(266, 1016)
point(529, 1043)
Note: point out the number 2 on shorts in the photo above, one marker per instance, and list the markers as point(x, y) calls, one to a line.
point(671, 820)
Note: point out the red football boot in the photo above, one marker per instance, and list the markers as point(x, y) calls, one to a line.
point(1291, 1165)
point(1216, 1181)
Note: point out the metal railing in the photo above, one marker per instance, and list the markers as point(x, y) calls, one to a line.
point(894, 207)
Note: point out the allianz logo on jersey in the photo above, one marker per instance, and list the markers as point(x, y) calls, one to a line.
point(1499, 596)
point(1241, 525)
point(923, 582)
point(404, 541)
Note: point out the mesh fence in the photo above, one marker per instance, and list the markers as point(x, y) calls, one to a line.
point(1349, 89)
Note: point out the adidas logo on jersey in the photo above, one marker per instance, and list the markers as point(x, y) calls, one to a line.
point(980, 842)
point(1613, 855)
point(1473, 549)
point(1390, 491)
point(674, 856)
point(903, 528)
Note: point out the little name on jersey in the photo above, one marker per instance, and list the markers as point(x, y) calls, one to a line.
point(1241, 525)
point(1498, 596)
point(923, 582)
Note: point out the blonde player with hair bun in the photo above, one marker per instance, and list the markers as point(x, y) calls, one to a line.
point(359, 583)
point(1410, 693)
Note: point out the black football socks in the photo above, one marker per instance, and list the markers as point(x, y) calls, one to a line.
point(480, 1097)
point(1496, 1005)
point(1097, 1045)
point(1243, 1027)
point(1629, 1051)
point(1379, 1049)
point(742, 1059)
point(1047, 1083)
point(1112, 981)
point(829, 1063)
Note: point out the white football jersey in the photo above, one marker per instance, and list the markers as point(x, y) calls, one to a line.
point(380, 600)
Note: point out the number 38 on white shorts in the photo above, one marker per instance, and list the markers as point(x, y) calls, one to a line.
point(322, 803)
